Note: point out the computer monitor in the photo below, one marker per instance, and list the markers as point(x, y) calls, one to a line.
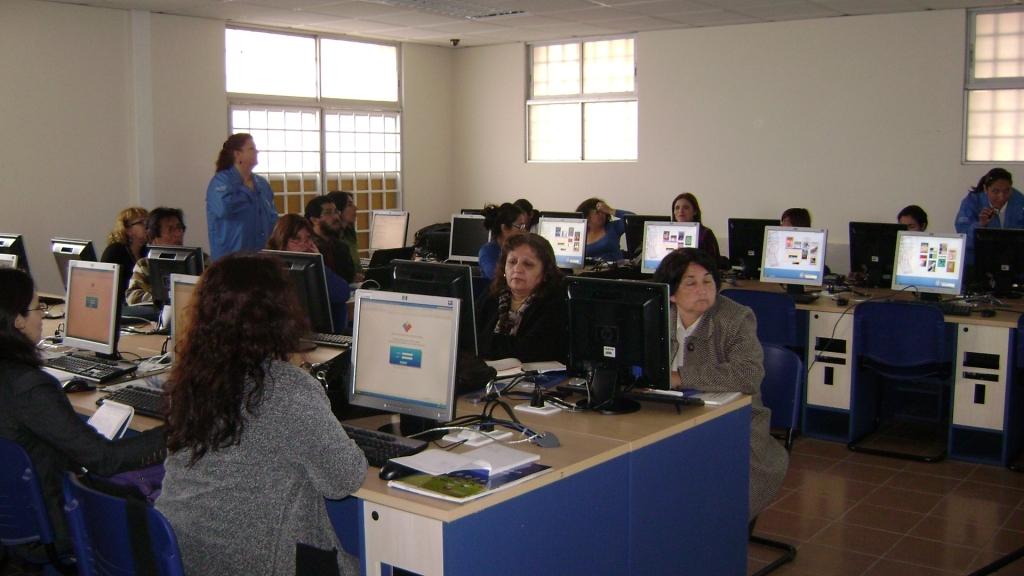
point(794, 257)
point(67, 249)
point(468, 235)
point(634, 224)
point(619, 336)
point(92, 308)
point(662, 237)
point(8, 261)
point(306, 272)
point(14, 245)
point(555, 214)
point(746, 240)
point(436, 279)
point(932, 264)
point(872, 249)
point(167, 260)
point(403, 356)
point(999, 261)
point(388, 229)
point(477, 211)
point(182, 288)
point(568, 238)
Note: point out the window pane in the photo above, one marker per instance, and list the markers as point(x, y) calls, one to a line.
point(265, 63)
point(610, 131)
point(608, 66)
point(998, 43)
point(358, 70)
point(555, 132)
point(995, 125)
point(556, 70)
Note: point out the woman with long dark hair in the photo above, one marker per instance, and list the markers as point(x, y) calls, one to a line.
point(502, 222)
point(685, 208)
point(992, 203)
point(254, 447)
point(240, 210)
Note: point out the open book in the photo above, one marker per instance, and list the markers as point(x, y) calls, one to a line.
point(111, 419)
point(512, 366)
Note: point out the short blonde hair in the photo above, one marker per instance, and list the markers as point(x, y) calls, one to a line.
point(119, 235)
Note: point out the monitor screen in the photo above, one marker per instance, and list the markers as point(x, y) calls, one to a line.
point(634, 224)
point(931, 263)
point(403, 355)
point(568, 238)
point(388, 229)
point(91, 309)
point(468, 235)
point(622, 328)
point(67, 249)
point(306, 272)
point(167, 260)
point(182, 287)
point(14, 245)
point(872, 248)
point(8, 261)
point(746, 239)
point(999, 261)
point(436, 279)
point(794, 255)
point(660, 238)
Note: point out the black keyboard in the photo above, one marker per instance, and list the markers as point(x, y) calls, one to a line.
point(955, 308)
point(97, 370)
point(379, 447)
point(336, 340)
point(145, 401)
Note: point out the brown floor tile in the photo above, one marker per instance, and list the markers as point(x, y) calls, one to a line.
point(987, 556)
point(1006, 541)
point(900, 521)
point(827, 561)
point(783, 492)
point(1015, 521)
point(947, 468)
point(788, 526)
point(998, 475)
point(886, 567)
point(990, 492)
point(880, 461)
point(754, 565)
point(857, 538)
point(809, 462)
point(806, 503)
point(941, 555)
point(972, 510)
point(821, 448)
point(958, 533)
point(796, 477)
point(910, 500)
point(923, 482)
point(763, 553)
point(827, 483)
point(862, 472)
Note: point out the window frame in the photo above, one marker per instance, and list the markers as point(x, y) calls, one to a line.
point(972, 84)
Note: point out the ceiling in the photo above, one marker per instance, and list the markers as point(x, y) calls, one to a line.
point(483, 22)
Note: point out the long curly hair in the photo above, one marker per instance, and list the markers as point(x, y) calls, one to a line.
point(243, 314)
point(119, 234)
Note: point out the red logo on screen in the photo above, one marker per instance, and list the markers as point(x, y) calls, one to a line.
point(407, 326)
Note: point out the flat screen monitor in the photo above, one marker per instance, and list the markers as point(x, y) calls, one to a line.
point(306, 272)
point(182, 288)
point(929, 263)
point(8, 261)
point(660, 238)
point(436, 279)
point(872, 248)
point(746, 240)
point(999, 261)
point(380, 269)
point(167, 260)
point(403, 356)
point(67, 249)
point(468, 235)
point(634, 224)
point(388, 229)
point(794, 256)
point(92, 307)
point(555, 214)
point(568, 238)
point(14, 245)
point(619, 336)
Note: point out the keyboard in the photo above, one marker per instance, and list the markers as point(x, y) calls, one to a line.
point(336, 340)
point(955, 308)
point(145, 401)
point(97, 370)
point(379, 447)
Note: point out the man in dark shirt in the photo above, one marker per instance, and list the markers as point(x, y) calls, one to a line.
point(323, 214)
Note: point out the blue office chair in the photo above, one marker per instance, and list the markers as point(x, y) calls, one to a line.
point(102, 528)
point(900, 352)
point(775, 312)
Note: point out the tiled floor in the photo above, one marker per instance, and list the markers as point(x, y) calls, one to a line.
point(851, 514)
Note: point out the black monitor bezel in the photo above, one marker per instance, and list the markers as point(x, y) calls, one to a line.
point(301, 265)
point(61, 258)
point(753, 234)
point(993, 250)
point(866, 235)
point(17, 248)
point(187, 260)
point(455, 273)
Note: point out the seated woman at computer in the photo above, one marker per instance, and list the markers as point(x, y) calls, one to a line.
point(795, 218)
point(523, 314)
point(715, 348)
point(253, 446)
point(603, 232)
point(240, 212)
point(685, 208)
point(532, 214)
point(502, 222)
point(125, 243)
point(164, 227)
point(914, 218)
point(992, 203)
point(35, 413)
point(346, 205)
point(293, 233)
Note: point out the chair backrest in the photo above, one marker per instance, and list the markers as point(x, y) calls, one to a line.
point(101, 536)
point(899, 334)
point(782, 386)
point(775, 312)
point(23, 517)
point(1020, 342)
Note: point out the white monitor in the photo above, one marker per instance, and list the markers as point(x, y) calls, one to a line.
point(661, 238)
point(91, 307)
point(181, 289)
point(467, 237)
point(388, 229)
point(568, 238)
point(8, 261)
point(403, 354)
point(931, 263)
point(794, 255)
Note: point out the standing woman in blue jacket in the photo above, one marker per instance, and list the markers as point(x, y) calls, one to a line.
point(603, 233)
point(240, 211)
point(993, 203)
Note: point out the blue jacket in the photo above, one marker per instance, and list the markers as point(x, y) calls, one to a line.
point(489, 255)
point(238, 219)
point(338, 292)
point(607, 248)
point(972, 205)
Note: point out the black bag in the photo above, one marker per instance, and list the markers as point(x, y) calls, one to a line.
point(433, 240)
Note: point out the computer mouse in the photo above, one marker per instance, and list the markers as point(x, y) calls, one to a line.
point(390, 471)
point(986, 313)
point(79, 385)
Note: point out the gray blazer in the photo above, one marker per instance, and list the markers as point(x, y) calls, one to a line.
point(724, 355)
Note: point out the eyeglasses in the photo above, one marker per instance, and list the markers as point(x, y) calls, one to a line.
point(43, 307)
point(519, 226)
point(177, 228)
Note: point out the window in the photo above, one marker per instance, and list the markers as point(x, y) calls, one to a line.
point(336, 126)
point(994, 129)
point(582, 103)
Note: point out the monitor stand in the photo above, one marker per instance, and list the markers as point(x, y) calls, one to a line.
point(796, 292)
point(929, 297)
point(409, 425)
point(606, 394)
